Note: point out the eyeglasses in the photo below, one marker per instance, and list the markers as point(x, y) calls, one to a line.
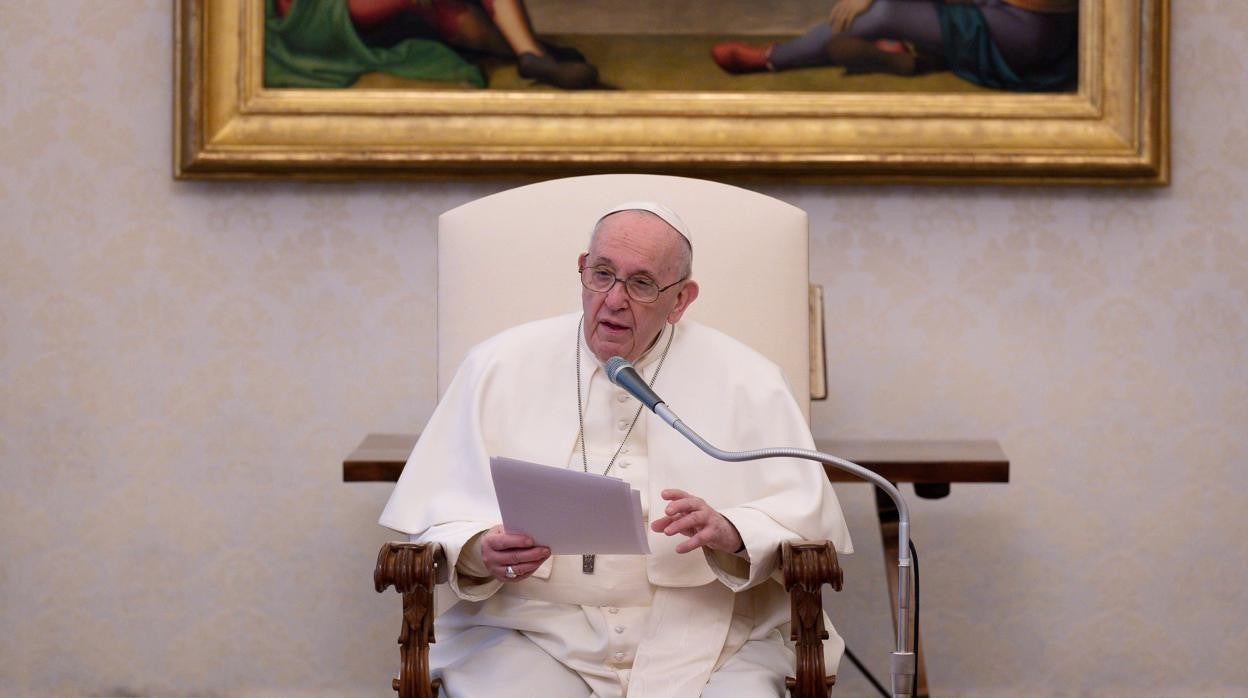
point(638, 288)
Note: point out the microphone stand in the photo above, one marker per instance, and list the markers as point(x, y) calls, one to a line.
point(903, 664)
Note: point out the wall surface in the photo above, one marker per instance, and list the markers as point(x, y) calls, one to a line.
point(183, 366)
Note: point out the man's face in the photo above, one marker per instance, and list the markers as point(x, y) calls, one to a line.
point(632, 243)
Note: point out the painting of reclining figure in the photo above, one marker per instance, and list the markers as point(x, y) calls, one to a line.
point(722, 46)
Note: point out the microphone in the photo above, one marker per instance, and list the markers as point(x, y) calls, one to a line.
point(622, 373)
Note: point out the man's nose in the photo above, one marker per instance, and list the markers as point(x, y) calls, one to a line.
point(617, 296)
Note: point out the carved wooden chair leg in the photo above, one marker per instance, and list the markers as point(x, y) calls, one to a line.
point(807, 566)
point(413, 570)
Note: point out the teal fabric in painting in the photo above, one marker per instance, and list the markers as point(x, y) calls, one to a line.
point(973, 56)
point(315, 45)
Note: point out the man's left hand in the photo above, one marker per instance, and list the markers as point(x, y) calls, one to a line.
point(693, 517)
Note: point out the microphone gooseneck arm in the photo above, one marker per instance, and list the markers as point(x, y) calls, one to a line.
point(903, 661)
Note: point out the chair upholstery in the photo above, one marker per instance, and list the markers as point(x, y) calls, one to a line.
point(511, 257)
point(738, 235)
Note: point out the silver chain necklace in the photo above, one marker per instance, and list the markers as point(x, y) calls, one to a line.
point(587, 560)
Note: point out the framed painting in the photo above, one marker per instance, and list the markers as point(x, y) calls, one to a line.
point(782, 90)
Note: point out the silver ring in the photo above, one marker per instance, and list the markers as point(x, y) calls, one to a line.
point(511, 572)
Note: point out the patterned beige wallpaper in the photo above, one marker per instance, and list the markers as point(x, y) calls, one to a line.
point(183, 365)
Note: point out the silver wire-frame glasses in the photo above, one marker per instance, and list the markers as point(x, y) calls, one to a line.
point(639, 288)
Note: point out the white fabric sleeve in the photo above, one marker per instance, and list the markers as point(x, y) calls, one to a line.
point(470, 561)
point(760, 559)
point(466, 574)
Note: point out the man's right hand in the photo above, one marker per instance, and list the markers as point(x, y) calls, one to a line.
point(500, 550)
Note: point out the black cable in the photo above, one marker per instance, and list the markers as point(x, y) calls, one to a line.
point(914, 687)
point(914, 560)
point(870, 677)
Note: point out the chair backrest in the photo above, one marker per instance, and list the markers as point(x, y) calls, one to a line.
point(511, 257)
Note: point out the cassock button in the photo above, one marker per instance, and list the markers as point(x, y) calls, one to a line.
point(623, 464)
point(619, 629)
point(622, 424)
point(622, 397)
point(613, 610)
point(619, 656)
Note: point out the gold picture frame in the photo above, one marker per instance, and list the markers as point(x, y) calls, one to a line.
point(1113, 129)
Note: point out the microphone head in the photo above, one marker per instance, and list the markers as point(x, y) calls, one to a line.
point(614, 365)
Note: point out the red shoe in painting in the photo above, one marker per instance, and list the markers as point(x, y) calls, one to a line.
point(737, 57)
point(892, 46)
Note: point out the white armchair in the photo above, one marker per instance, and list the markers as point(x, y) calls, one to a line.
point(539, 230)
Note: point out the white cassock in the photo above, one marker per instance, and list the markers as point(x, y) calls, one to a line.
point(655, 626)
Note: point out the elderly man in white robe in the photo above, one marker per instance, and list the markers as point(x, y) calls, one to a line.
point(702, 613)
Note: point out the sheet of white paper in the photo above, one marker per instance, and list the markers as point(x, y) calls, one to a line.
point(640, 530)
point(567, 511)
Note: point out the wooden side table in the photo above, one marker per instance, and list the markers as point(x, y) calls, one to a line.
point(931, 466)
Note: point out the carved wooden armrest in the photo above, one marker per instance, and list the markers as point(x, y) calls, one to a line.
point(807, 566)
point(412, 568)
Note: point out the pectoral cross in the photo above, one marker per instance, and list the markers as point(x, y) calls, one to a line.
point(587, 564)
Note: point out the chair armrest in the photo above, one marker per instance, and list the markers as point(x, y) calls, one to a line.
point(412, 568)
point(807, 566)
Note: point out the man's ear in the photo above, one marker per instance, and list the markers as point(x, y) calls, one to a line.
point(688, 294)
point(580, 261)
